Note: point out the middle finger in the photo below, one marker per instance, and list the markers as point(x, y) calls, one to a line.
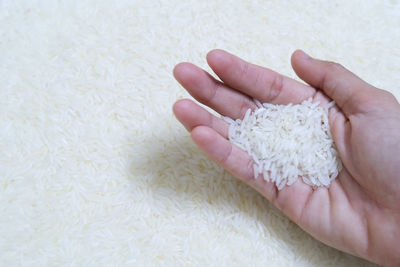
point(207, 90)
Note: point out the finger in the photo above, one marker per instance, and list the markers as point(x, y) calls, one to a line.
point(192, 115)
point(291, 199)
point(341, 85)
point(260, 83)
point(220, 150)
point(212, 93)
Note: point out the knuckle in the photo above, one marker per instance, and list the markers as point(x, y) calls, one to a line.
point(225, 159)
point(275, 88)
point(330, 80)
point(244, 106)
point(257, 79)
point(334, 67)
point(245, 69)
point(208, 98)
point(387, 96)
point(250, 167)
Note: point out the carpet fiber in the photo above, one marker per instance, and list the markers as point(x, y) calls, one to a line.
point(95, 169)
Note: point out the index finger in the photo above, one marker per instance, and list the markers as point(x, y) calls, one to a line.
point(350, 93)
point(258, 82)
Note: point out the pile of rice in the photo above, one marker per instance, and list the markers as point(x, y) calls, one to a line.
point(287, 142)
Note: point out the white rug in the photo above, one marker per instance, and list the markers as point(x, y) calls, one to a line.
point(95, 169)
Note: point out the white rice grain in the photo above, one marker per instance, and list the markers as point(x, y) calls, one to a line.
point(287, 142)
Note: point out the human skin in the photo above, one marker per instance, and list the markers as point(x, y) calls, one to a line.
point(359, 213)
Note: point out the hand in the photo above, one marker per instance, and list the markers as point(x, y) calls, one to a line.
point(360, 212)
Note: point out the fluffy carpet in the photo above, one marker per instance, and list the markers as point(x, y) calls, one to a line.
point(95, 169)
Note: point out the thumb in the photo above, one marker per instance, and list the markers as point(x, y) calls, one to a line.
point(348, 91)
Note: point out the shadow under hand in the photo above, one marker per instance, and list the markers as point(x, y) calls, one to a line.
point(175, 168)
point(175, 165)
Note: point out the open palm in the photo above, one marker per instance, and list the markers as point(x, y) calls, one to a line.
point(360, 212)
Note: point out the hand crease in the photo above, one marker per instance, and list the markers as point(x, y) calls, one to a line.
point(275, 88)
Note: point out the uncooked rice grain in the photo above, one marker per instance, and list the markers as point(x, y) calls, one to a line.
point(287, 142)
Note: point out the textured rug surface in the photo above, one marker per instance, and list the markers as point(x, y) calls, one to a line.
point(95, 169)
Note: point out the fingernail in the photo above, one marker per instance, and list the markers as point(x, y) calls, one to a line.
point(303, 55)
